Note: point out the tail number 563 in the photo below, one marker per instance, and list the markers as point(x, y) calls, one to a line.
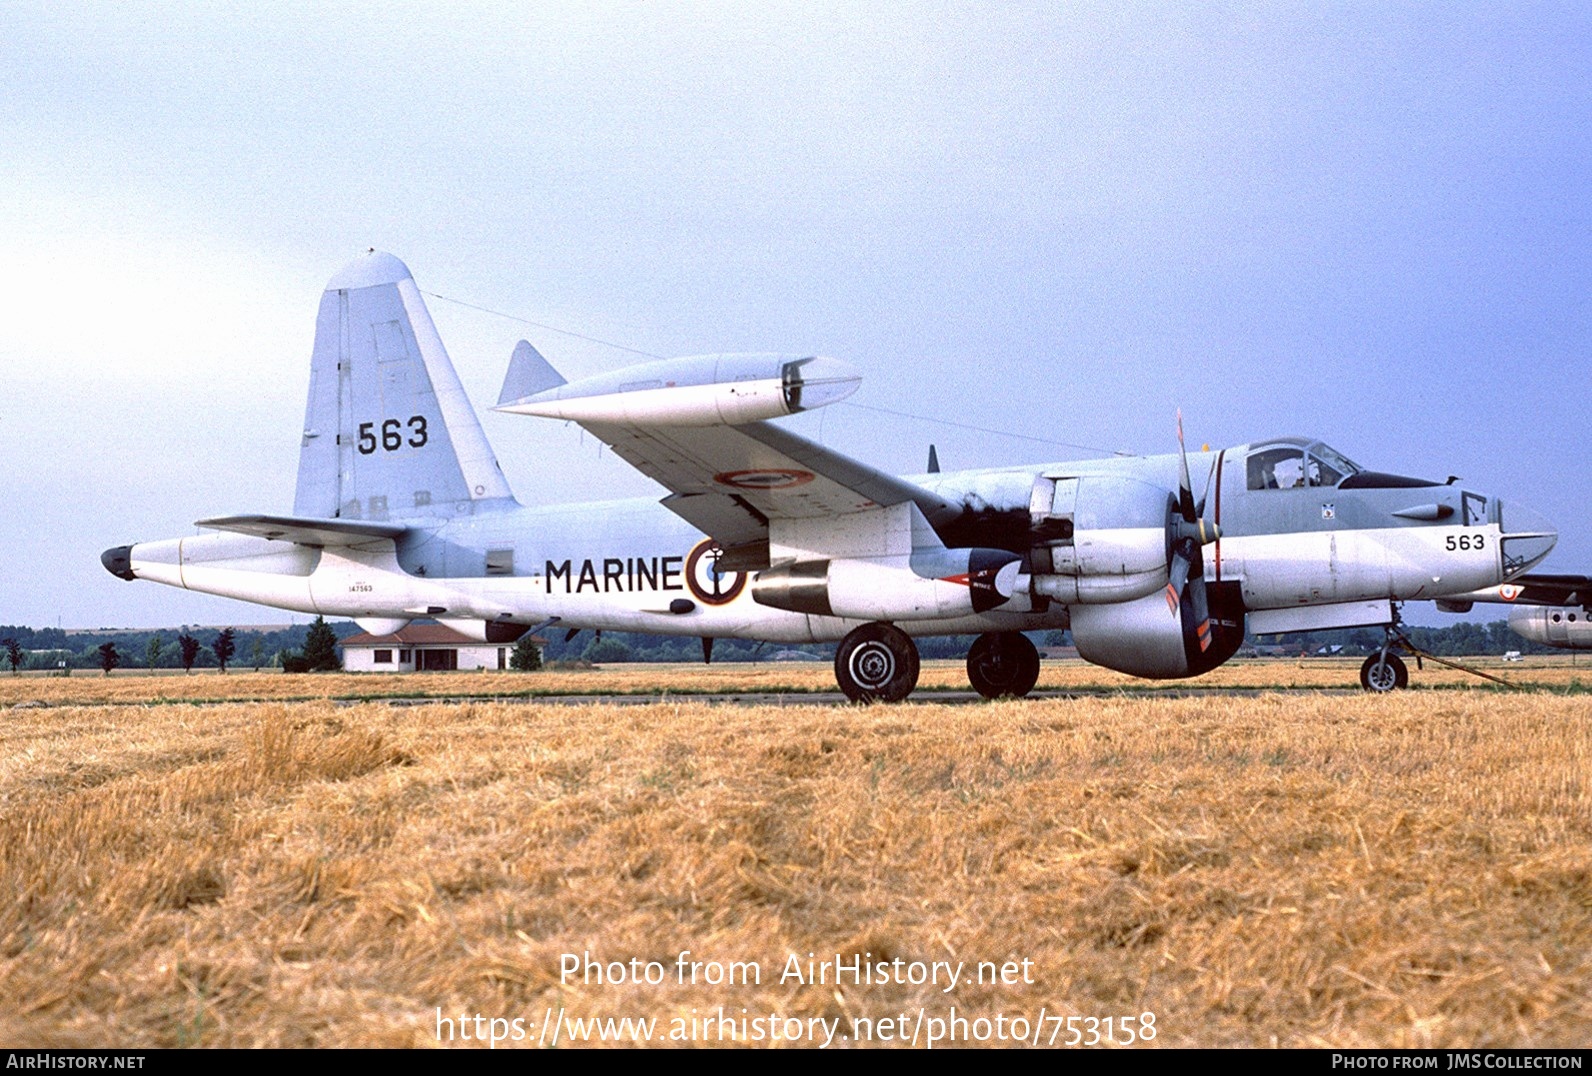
point(1467, 541)
point(392, 435)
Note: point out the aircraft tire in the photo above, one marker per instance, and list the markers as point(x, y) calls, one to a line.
point(877, 663)
point(1378, 677)
point(1003, 663)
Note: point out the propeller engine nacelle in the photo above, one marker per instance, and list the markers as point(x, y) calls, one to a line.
point(1098, 538)
point(1145, 638)
point(930, 584)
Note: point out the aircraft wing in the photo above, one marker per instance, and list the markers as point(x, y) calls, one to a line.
point(729, 481)
point(302, 530)
point(1541, 588)
point(1533, 588)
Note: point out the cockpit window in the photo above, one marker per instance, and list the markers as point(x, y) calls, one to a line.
point(1321, 474)
point(1277, 468)
point(1334, 465)
point(1292, 463)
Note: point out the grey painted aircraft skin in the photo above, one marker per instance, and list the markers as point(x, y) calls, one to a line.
point(401, 511)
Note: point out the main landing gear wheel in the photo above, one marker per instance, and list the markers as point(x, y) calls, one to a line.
point(1384, 672)
point(1003, 663)
point(877, 663)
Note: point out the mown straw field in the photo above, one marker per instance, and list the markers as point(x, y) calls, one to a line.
point(1292, 869)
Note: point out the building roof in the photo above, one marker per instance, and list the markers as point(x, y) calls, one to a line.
point(423, 635)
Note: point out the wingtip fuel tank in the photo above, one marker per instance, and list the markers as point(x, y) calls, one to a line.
point(702, 390)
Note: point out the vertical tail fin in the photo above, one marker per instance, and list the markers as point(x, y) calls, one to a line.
point(389, 432)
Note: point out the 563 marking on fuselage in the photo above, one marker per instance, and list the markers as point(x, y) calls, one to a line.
point(392, 435)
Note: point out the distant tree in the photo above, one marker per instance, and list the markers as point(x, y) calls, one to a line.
point(152, 650)
point(527, 656)
point(320, 648)
point(108, 657)
point(13, 653)
point(224, 647)
point(611, 650)
point(190, 650)
point(257, 652)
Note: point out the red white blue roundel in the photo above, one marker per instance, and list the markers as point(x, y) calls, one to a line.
point(707, 583)
point(765, 479)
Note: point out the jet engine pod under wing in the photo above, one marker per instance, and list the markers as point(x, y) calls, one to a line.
point(927, 585)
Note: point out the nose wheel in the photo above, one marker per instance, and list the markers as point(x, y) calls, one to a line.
point(877, 663)
point(1384, 672)
point(1003, 663)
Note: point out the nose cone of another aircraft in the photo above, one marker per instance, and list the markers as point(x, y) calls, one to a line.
point(119, 561)
point(1528, 537)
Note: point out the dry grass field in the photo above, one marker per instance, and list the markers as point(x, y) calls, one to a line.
point(794, 678)
point(1297, 869)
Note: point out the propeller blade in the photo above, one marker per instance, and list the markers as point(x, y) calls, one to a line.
point(1185, 491)
point(1177, 575)
point(1201, 610)
point(1199, 509)
point(1181, 568)
point(1187, 567)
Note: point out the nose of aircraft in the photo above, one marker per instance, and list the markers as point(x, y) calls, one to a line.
point(1528, 537)
point(119, 561)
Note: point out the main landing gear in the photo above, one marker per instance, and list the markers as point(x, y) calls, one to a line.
point(877, 663)
point(1003, 663)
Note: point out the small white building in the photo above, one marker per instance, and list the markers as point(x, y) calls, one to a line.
point(423, 648)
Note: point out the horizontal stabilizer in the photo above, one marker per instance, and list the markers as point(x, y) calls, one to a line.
point(306, 531)
point(528, 374)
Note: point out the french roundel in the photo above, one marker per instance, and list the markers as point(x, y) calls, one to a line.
point(766, 479)
point(707, 583)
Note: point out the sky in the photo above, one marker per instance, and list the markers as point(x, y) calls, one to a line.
point(1058, 224)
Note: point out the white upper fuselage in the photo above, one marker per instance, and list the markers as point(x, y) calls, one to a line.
point(629, 565)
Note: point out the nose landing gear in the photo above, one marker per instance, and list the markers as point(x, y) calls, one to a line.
point(1383, 671)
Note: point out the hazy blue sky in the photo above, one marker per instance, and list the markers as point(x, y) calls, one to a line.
point(1367, 222)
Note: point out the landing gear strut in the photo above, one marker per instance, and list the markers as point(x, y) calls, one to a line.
point(1003, 663)
point(877, 663)
point(1383, 671)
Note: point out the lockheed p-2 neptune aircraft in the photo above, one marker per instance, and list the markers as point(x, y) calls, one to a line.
point(401, 512)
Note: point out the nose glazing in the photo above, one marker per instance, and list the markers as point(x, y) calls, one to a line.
point(1528, 537)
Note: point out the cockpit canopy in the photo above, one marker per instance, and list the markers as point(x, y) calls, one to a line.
point(1297, 463)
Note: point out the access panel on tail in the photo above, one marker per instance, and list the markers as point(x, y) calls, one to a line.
point(388, 432)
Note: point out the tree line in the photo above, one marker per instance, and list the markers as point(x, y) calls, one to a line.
point(313, 647)
point(186, 647)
